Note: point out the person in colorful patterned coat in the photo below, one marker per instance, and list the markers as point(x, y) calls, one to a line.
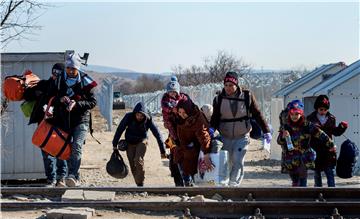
point(301, 157)
point(325, 157)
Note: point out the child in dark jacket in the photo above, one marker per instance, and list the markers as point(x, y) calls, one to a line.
point(325, 158)
point(137, 123)
point(301, 157)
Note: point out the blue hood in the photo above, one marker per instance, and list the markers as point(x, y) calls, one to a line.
point(140, 108)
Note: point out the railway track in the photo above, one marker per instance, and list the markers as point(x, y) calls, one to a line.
point(249, 202)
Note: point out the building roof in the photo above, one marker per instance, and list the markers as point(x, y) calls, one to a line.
point(305, 79)
point(344, 75)
point(31, 56)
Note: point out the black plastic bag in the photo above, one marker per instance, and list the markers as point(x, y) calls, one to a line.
point(116, 166)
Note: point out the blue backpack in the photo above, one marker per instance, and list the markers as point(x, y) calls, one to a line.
point(346, 163)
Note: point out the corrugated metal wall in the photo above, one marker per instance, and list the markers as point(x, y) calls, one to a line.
point(20, 159)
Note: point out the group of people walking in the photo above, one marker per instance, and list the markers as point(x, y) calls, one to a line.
point(191, 129)
point(306, 141)
point(311, 136)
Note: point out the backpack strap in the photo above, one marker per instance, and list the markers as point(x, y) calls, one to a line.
point(246, 99)
point(92, 130)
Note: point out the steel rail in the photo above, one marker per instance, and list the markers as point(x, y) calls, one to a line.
point(235, 194)
point(268, 209)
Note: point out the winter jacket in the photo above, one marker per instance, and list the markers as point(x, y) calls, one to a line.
point(193, 134)
point(83, 94)
point(231, 118)
point(325, 158)
point(301, 133)
point(41, 93)
point(168, 106)
point(136, 131)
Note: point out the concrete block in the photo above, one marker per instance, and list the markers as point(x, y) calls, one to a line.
point(73, 195)
point(99, 195)
point(70, 213)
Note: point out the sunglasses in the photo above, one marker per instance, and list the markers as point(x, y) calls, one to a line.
point(322, 109)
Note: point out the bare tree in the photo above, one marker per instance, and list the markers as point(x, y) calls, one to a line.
point(18, 19)
point(213, 70)
point(146, 84)
point(223, 62)
point(193, 75)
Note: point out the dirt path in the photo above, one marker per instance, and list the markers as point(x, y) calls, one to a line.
point(259, 169)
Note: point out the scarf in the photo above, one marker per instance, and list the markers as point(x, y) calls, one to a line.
point(87, 83)
point(322, 119)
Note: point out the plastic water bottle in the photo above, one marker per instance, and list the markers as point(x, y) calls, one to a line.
point(289, 143)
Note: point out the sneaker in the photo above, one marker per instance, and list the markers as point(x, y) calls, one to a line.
point(234, 184)
point(50, 183)
point(60, 183)
point(72, 182)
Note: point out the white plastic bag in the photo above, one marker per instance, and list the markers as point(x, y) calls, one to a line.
point(219, 176)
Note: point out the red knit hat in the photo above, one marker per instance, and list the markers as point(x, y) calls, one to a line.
point(231, 77)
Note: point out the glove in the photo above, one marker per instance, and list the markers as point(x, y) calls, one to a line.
point(211, 132)
point(267, 137)
point(344, 124)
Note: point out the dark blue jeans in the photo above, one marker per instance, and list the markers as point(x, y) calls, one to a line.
point(330, 176)
point(79, 135)
point(55, 169)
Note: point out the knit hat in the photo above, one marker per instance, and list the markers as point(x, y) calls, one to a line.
point(232, 77)
point(173, 85)
point(73, 61)
point(207, 109)
point(296, 106)
point(187, 105)
point(322, 101)
point(57, 69)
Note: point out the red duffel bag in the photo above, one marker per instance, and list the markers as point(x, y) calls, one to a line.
point(51, 139)
point(14, 86)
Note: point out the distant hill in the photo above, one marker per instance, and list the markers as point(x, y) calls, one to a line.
point(118, 72)
point(105, 69)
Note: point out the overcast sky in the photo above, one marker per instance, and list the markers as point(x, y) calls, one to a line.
point(154, 37)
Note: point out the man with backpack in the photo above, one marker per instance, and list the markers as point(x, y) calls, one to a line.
point(233, 108)
point(72, 104)
point(137, 123)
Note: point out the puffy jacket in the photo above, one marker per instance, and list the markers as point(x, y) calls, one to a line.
point(193, 135)
point(83, 94)
point(325, 157)
point(168, 108)
point(301, 133)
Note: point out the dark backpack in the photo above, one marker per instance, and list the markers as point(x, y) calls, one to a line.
point(116, 166)
point(346, 163)
point(256, 132)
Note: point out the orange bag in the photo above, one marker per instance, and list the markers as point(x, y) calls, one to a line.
point(14, 86)
point(52, 140)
